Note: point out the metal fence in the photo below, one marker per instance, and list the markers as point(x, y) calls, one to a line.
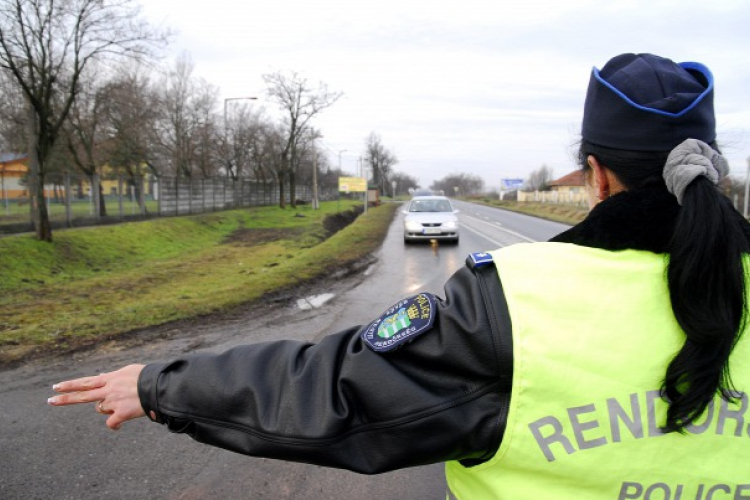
point(81, 201)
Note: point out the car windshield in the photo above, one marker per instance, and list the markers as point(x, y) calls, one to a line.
point(430, 206)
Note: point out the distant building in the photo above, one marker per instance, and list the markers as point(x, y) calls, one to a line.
point(573, 183)
point(567, 189)
point(13, 168)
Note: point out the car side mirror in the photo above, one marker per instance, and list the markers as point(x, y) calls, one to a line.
point(404, 212)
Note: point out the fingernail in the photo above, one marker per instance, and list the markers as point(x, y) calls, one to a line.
point(56, 387)
point(51, 401)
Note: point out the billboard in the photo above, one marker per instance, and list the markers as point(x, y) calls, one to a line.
point(352, 184)
point(511, 184)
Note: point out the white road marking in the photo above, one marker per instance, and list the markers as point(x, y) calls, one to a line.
point(494, 226)
point(494, 242)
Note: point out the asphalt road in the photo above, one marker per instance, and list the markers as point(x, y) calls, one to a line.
point(68, 453)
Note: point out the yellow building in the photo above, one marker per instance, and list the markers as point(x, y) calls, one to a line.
point(13, 167)
point(571, 184)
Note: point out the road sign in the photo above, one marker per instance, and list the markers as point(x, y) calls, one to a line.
point(352, 184)
point(511, 184)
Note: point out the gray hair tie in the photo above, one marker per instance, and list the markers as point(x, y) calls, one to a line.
point(689, 160)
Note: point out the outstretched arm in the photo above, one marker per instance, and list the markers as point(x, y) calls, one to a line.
point(350, 400)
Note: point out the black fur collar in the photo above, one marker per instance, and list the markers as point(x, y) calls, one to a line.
point(638, 220)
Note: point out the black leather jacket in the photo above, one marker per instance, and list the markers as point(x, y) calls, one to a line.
point(339, 403)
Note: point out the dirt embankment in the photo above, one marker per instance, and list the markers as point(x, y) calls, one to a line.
point(12, 356)
point(336, 222)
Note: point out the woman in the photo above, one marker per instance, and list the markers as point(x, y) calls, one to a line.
point(608, 363)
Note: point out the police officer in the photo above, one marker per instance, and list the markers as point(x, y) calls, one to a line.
point(607, 363)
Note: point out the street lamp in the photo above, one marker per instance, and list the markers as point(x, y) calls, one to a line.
point(315, 202)
point(341, 151)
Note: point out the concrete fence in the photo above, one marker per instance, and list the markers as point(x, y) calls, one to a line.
point(77, 202)
point(554, 197)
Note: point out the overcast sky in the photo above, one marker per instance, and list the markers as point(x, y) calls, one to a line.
point(490, 88)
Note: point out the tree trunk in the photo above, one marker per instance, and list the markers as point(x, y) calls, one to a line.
point(40, 216)
point(41, 221)
point(282, 201)
point(102, 204)
point(293, 189)
point(138, 192)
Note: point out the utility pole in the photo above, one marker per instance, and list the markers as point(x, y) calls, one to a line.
point(315, 177)
point(747, 186)
point(2, 188)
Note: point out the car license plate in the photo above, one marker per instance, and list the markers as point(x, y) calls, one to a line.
point(431, 230)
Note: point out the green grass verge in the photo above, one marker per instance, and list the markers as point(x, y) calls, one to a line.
point(566, 214)
point(104, 281)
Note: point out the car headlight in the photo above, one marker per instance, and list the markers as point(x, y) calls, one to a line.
point(411, 225)
point(450, 225)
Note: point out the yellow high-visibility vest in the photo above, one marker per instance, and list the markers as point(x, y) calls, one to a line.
point(593, 332)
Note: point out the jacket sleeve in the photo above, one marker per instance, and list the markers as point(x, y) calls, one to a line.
point(339, 403)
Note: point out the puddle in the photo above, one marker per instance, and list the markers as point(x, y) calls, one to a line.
point(314, 301)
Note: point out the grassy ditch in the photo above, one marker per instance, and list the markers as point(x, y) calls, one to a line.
point(99, 282)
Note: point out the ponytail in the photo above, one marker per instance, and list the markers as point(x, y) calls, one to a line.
point(706, 280)
point(705, 274)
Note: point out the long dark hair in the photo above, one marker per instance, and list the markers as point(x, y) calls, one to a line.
point(706, 280)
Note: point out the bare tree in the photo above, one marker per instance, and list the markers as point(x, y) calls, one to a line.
point(245, 142)
point(310, 156)
point(734, 189)
point(187, 122)
point(300, 102)
point(46, 46)
point(130, 111)
point(539, 179)
point(459, 184)
point(12, 116)
point(84, 134)
point(205, 137)
point(380, 160)
point(267, 152)
point(404, 182)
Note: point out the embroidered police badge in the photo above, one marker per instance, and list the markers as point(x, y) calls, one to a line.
point(402, 323)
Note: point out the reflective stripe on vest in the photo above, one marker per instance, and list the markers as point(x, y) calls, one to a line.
point(593, 333)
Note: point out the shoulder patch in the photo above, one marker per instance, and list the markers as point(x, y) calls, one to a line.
point(478, 259)
point(402, 323)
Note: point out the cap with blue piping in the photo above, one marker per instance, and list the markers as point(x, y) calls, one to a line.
point(643, 102)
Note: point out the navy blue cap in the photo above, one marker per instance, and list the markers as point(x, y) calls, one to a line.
point(643, 102)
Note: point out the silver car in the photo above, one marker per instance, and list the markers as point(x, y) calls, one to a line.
point(430, 217)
